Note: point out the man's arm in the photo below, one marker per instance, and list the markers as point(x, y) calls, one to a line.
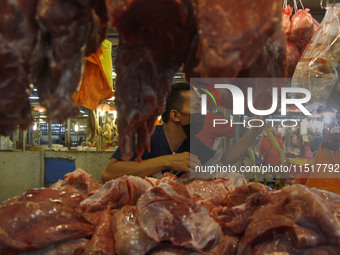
point(235, 152)
point(148, 167)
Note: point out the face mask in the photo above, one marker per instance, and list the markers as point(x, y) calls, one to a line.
point(195, 126)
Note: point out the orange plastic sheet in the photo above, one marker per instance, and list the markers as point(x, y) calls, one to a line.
point(95, 86)
point(329, 184)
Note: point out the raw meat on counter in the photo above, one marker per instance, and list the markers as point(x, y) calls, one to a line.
point(31, 225)
point(150, 216)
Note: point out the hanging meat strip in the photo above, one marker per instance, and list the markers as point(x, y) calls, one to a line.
point(45, 42)
point(17, 38)
point(69, 30)
point(154, 40)
point(233, 33)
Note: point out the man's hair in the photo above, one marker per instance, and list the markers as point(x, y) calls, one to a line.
point(175, 99)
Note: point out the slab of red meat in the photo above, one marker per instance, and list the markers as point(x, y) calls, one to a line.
point(167, 213)
point(302, 28)
point(102, 241)
point(310, 208)
point(232, 34)
point(211, 193)
point(68, 31)
point(69, 247)
point(31, 225)
point(149, 54)
point(285, 22)
point(83, 181)
point(293, 56)
point(130, 239)
point(227, 246)
point(116, 193)
point(295, 221)
point(239, 205)
point(270, 63)
point(65, 197)
point(17, 39)
point(333, 200)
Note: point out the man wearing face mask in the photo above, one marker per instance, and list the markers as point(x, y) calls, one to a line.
point(170, 144)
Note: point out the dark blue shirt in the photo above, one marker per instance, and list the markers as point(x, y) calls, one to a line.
point(159, 146)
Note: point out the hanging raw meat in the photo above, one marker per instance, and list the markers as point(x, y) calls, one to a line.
point(301, 28)
point(44, 42)
point(154, 40)
point(293, 56)
point(232, 34)
point(18, 31)
point(270, 63)
point(69, 30)
point(285, 22)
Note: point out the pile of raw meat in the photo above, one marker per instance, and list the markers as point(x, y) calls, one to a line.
point(132, 215)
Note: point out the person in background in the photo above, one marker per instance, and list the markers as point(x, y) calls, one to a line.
point(170, 143)
point(300, 149)
point(268, 155)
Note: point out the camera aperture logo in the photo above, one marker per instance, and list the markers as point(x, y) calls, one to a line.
point(239, 105)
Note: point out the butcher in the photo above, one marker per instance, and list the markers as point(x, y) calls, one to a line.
point(171, 150)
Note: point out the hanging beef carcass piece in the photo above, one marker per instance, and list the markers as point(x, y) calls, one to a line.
point(17, 38)
point(154, 40)
point(45, 42)
point(233, 33)
point(293, 56)
point(302, 27)
point(285, 22)
point(69, 30)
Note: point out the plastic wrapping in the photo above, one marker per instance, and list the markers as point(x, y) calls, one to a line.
point(320, 59)
point(96, 86)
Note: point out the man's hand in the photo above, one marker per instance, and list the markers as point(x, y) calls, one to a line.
point(182, 162)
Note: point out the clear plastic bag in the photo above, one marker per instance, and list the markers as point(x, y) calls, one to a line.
point(320, 59)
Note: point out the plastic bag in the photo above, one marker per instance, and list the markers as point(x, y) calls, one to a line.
point(95, 86)
point(320, 59)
